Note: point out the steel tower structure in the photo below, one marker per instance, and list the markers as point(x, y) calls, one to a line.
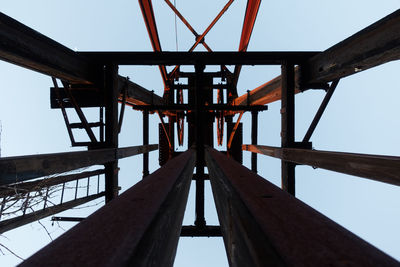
point(260, 223)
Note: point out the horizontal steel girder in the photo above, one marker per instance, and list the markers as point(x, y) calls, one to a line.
point(193, 58)
point(265, 226)
point(22, 168)
point(141, 227)
point(384, 169)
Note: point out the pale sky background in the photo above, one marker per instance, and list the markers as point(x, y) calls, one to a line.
point(362, 116)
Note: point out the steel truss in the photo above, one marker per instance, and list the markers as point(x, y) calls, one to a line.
point(143, 225)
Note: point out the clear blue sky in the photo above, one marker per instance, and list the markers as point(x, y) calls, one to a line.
point(361, 117)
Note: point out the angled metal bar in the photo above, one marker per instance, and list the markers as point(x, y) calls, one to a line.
point(199, 38)
point(228, 145)
point(320, 111)
point(165, 129)
point(13, 223)
point(265, 226)
point(123, 103)
point(22, 188)
point(379, 168)
point(142, 225)
point(79, 111)
point(23, 168)
point(150, 21)
point(64, 112)
point(247, 29)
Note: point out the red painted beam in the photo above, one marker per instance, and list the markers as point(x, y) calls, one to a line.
point(148, 16)
point(247, 29)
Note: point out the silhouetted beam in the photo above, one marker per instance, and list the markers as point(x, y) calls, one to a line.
point(384, 169)
point(375, 45)
point(22, 168)
point(207, 231)
point(30, 49)
point(136, 94)
point(22, 188)
point(192, 58)
point(27, 48)
point(265, 226)
point(141, 227)
point(13, 223)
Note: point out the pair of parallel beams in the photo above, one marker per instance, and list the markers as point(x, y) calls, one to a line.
point(261, 224)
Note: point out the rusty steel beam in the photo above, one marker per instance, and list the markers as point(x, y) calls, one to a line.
point(9, 224)
point(247, 29)
point(27, 48)
point(150, 21)
point(375, 45)
point(265, 226)
point(136, 94)
point(22, 188)
point(23, 168)
point(266, 93)
point(139, 228)
point(379, 168)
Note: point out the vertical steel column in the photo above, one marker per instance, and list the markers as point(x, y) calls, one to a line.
point(200, 221)
point(254, 131)
point(287, 116)
point(171, 134)
point(145, 142)
point(111, 95)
